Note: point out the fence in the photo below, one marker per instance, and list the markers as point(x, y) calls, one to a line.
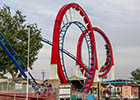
point(31, 96)
point(16, 90)
point(13, 90)
point(10, 87)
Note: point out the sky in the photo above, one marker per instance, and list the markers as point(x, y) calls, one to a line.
point(119, 19)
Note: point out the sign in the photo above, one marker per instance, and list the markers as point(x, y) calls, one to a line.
point(65, 91)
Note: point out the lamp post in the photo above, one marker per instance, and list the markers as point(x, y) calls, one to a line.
point(28, 63)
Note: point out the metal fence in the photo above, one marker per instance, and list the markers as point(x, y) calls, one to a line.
point(16, 90)
point(10, 87)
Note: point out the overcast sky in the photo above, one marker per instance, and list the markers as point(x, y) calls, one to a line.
point(119, 19)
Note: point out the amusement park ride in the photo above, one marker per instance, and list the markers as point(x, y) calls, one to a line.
point(65, 18)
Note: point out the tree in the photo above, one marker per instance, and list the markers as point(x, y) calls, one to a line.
point(16, 30)
point(135, 74)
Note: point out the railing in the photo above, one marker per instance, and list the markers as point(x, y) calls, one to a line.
point(17, 91)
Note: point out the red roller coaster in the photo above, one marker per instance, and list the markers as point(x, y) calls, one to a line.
point(65, 18)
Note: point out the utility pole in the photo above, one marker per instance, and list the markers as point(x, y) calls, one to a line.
point(43, 75)
point(28, 64)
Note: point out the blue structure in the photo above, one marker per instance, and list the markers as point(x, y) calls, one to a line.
point(18, 65)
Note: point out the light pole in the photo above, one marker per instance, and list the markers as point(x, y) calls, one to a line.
point(28, 63)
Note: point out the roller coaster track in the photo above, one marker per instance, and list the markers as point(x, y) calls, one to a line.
point(67, 53)
point(65, 17)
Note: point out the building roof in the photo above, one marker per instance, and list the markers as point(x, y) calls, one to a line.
point(122, 82)
point(119, 80)
point(75, 78)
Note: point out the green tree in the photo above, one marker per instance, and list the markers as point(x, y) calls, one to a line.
point(15, 30)
point(135, 74)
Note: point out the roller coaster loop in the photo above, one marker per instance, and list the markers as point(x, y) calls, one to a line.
point(69, 14)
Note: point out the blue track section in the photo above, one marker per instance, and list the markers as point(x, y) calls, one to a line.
point(7, 48)
point(90, 73)
point(63, 32)
point(63, 50)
